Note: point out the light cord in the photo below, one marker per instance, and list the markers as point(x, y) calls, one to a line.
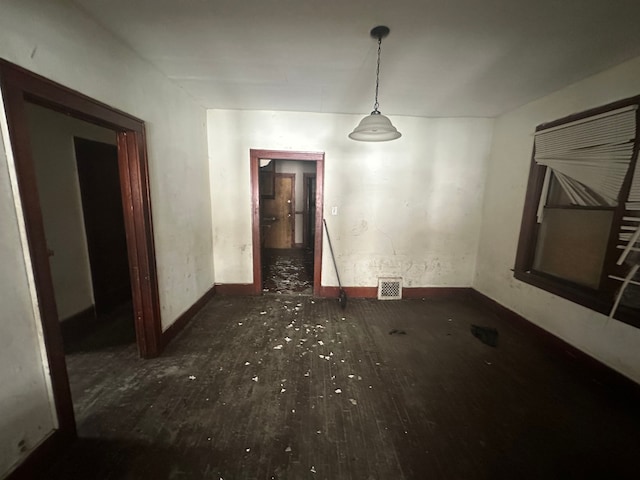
point(376, 104)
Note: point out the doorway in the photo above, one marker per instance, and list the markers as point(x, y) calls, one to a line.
point(20, 88)
point(287, 264)
point(101, 195)
point(78, 183)
point(112, 321)
point(287, 208)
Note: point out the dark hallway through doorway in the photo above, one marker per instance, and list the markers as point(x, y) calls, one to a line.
point(287, 190)
point(286, 220)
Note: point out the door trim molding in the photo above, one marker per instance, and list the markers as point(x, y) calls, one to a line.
point(254, 158)
point(19, 86)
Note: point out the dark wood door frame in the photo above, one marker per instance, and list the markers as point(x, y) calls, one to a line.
point(255, 156)
point(18, 87)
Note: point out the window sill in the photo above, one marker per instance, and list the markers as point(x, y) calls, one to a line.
point(582, 296)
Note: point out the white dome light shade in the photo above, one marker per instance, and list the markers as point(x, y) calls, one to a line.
point(375, 128)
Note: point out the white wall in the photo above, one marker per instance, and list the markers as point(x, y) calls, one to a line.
point(57, 40)
point(298, 168)
point(610, 341)
point(52, 147)
point(410, 207)
point(60, 42)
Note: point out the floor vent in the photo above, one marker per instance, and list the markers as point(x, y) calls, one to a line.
point(390, 288)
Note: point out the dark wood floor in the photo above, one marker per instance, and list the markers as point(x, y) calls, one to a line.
point(278, 387)
point(95, 333)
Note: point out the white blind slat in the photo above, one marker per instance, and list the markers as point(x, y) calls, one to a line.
point(632, 241)
point(622, 247)
point(634, 193)
point(625, 284)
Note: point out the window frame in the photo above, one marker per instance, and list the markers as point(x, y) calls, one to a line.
point(600, 299)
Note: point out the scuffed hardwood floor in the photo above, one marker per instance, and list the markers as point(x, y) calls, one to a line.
point(295, 388)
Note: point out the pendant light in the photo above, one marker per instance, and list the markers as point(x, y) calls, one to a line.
point(376, 127)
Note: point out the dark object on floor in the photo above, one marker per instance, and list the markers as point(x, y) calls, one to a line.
point(397, 332)
point(343, 294)
point(487, 335)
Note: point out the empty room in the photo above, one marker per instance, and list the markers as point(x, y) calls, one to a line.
point(319, 240)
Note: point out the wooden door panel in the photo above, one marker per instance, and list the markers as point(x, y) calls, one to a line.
point(280, 233)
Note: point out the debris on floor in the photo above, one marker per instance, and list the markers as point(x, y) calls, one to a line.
point(223, 405)
point(288, 271)
point(487, 335)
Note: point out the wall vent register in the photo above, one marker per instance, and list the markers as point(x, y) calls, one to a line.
point(389, 288)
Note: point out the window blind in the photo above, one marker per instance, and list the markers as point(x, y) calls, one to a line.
point(629, 235)
point(634, 192)
point(591, 157)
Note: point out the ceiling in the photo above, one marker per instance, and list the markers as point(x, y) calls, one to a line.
point(443, 58)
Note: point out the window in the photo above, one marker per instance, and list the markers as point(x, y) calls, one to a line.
point(580, 234)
